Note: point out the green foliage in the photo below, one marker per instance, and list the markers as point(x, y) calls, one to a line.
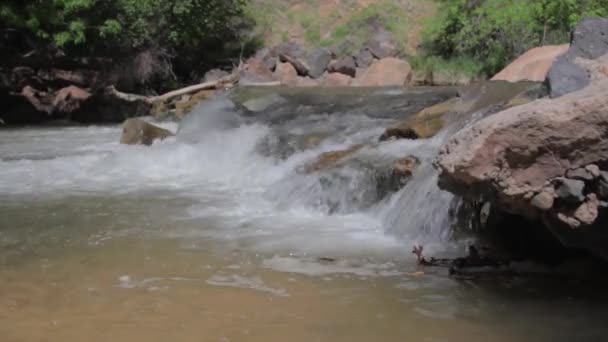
point(458, 66)
point(493, 32)
point(172, 24)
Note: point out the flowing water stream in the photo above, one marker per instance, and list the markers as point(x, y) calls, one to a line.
point(218, 235)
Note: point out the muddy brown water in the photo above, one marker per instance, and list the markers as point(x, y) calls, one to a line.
point(203, 239)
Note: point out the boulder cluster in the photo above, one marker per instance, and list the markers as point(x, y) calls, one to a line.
point(376, 64)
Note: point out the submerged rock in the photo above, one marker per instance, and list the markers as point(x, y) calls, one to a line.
point(139, 132)
point(330, 159)
point(422, 125)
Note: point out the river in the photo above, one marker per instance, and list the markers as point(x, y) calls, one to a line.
point(217, 235)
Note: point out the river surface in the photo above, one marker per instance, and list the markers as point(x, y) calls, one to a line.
point(217, 235)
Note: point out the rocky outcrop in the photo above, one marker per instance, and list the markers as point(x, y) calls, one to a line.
point(139, 132)
point(541, 160)
point(386, 72)
point(532, 65)
point(589, 41)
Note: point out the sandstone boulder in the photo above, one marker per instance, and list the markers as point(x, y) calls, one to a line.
point(286, 74)
point(336, 79)
point(511, 157)
point(386, 72)
point(139, 132)
point(532, 65)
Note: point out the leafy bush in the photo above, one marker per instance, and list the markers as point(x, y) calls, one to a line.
point(493, 32)
point(190, 31)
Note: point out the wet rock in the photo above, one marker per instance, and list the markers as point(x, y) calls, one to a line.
point(386, 72)
point(258, 104)
point(532, 65)
point(185, 105)
point(364, 58)
point(543, 200)
point(286, 74)
point(422, 125)
point(580, 174)
point(68, 99)
point(589, 40)
point(336, 79)
point(588, 212)
point(382, 45)
point(318, 62)
point(344, 66)
point(330, 159)
point(139, 132)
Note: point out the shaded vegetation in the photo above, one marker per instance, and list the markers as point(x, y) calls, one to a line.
point(181, 33)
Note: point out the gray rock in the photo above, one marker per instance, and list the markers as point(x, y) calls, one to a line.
point(589, 40)
point(580, 174)
point(382, 45)
point(364, 58)
point(318, 61)
point(291, 49)
point(570, 190)
point(344, 66)
point(298, 63)
point(565, 77)
point(543, 201)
